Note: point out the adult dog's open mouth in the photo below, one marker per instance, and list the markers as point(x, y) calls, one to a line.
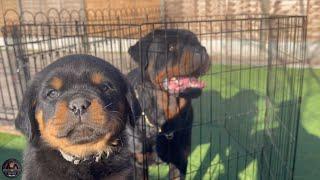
point(175, 85)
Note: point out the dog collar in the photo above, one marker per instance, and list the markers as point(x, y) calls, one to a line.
point(77, 160)
point(168, 135)
point(148, 122)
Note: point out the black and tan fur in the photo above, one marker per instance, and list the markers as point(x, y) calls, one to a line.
point(79, 105)
point(167, 117)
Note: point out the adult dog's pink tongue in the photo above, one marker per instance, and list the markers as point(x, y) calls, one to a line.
point(176, 85)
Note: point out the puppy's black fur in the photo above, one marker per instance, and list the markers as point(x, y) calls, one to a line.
point(167, 116)
point(78, 105)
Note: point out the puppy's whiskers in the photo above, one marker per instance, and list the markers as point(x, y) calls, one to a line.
point(116, 117)
point(116, 112)
point(105, 107)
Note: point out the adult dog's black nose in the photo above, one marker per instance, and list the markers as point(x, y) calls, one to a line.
point(79, 105)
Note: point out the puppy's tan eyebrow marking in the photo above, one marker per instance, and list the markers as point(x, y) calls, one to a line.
point(97, 78)
point(56, 83)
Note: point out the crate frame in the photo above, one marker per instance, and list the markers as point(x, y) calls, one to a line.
point(30, 46)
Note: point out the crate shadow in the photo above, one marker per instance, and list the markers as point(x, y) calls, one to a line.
point(228, 142)
point(224, 139)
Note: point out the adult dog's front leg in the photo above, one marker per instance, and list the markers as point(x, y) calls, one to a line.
point(175, 173)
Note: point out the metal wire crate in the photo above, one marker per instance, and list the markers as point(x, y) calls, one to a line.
point(246, 120)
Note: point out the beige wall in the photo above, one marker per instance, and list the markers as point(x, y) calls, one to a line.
point(116, 4)
point(44, 5)
point(313, 11)
point(181, 8)
point(284, 7)
point(280, 7)
point(210, 7)
point(184, 7)
point(7, 4)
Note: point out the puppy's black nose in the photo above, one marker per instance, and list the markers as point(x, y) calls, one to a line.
point(79, 105)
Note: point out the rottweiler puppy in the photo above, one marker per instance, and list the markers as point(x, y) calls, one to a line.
point(74, 114)
point(170, 63)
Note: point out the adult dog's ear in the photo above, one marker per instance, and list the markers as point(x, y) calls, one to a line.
point(134, 105)
point(25, 120)
point(139, 51)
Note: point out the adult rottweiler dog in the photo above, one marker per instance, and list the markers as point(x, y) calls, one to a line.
point(74, 114)
point(170, 62)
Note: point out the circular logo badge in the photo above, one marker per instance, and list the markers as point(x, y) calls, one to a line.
point(11, 168)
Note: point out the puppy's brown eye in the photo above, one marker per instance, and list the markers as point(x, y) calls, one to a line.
point(107, 86)
point(172, 47)
point(53, 93)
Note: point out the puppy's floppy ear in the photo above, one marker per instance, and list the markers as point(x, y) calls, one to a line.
point(25, 120)
point(134, 105)
point(139, 51)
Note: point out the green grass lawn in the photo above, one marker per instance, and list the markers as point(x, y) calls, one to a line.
point(227, 132)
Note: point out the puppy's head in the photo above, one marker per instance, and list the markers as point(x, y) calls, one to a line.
point(79, 104)
point(173, 60)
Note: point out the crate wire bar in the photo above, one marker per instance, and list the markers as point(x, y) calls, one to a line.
point(246, 120)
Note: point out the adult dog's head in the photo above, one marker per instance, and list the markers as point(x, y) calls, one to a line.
point(79, 105)
point(172, 60)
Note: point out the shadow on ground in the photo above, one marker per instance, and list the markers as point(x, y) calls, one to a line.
point(229, 142)
point(308, 156)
